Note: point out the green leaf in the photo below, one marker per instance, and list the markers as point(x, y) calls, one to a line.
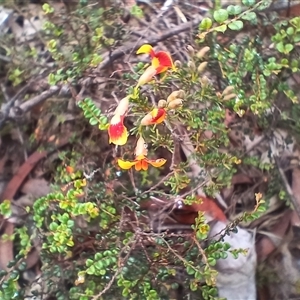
point(221, 15)
point(280, 47)
point(288, 48)
point(5, 208)
point(290, 31)
point(234, 9)
point(103, 120)
point(211, 261)
point(264, 4)
point(91, 270)
point(53, 226)
point(205, 24)
point(99, 265)
point(89, 262)
point(190, 270)
point(249, 16)
point(248, 2)
point(236, 25)
point(93, 121)
point(221, 28)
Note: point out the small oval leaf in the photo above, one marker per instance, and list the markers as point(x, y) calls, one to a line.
point(236, 25)
point(221, 15)
point(221, 28)
point(205, 24)
point(249, 16)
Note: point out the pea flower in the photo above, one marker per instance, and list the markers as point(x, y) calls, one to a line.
point(161, 61)
point(156, 116)
point(117, 132)
point(141, 161)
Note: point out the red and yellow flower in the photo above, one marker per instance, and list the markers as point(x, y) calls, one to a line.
point(117, 131)
point(156, 116)
point(161, 61)
point(141, 161)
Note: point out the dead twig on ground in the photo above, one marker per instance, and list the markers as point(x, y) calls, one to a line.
point(7, 108)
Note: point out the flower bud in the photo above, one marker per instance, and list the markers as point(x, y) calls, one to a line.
point(174, 95)
point(181, 94)
point(177, 63)
point(202, 67)
point(191, 50)
point(175, 103)
point(228, 90)
point(230, 96)
point(202, 52)
point(191, 65)
point(162, 103)
point(204, 81)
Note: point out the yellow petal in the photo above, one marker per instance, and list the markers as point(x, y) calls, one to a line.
point(147, 76)
point(125, 164)
point(155, 62)
point(122, 107)
point(157, 163)
point(141, 148)
point(145, 49)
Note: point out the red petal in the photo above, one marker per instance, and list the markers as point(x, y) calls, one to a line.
point(165, 59)
point(161, 69)
point(158, 115)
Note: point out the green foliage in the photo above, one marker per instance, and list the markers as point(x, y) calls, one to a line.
point(5, 209)
point(93, 113)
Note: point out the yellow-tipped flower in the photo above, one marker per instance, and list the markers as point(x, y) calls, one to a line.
point(156, 116)
point(141, 161)
point(117, 132)
point(161, 61)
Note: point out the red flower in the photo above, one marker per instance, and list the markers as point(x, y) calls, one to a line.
point(116, 130)
point(156, 116)
point(161, 61)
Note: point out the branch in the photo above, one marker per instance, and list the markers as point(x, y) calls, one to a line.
point(188, 149)
point(284, 179)
point(153, 40)
point(7, 108)
point(288, 187)
point(26, 106)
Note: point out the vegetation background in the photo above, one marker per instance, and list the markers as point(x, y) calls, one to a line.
point(220, 219)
